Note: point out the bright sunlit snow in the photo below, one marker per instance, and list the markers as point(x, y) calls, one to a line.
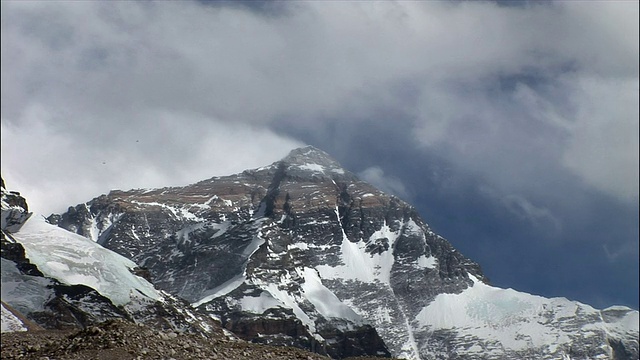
point(427, 262)
point(259, 304)
point(360, 264)
point(312, 167)
point(324, 300)
point(514, 319)
point(11, 322)
point(289, 301)
point(73, 259)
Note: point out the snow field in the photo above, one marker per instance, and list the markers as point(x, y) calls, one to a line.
point(512, 319)
point(73, 259)
point(11, 322)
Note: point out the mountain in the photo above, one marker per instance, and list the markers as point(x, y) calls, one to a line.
point(303, 253)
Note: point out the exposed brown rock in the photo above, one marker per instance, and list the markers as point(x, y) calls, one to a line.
point(121, 340)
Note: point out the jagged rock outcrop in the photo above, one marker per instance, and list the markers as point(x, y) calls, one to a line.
point(15, 211)
point(303, 253)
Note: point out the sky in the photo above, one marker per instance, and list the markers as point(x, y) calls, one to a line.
point(511, 126)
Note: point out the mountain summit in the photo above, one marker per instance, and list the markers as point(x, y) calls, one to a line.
point(303, 253)
point(312, 159)
point(310, 155)
point(308, 163)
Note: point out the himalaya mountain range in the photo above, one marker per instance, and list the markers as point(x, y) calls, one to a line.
point(298, 253)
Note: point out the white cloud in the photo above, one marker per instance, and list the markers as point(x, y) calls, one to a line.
point(535, 215)
point(584, 113)
point(54, 170)
point(518, 205)
point(387, 183)
point(617, 252)
point(190, 76)
point(603, 148)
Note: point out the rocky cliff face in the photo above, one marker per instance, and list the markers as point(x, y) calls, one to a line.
point(303, 253)
point(15, 211)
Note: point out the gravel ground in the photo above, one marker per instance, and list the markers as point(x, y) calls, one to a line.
point(121, 340)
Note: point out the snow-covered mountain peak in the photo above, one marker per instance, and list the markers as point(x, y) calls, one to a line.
point(308, 154)
point(311, 159)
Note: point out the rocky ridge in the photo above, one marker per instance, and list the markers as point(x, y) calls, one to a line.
point(118, 339)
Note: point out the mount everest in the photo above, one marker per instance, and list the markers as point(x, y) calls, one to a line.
point(299, 253)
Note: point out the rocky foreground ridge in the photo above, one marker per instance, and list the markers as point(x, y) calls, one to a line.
point(123, 340)
point(302, 253)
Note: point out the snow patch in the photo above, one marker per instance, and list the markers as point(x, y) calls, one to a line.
point(513, 319)
point(73, 259)
point(325, 301)
point(253, 246)
point(358, 264)
point(427, 262)
point(300, 245)
point(627, 320)
point(11, 322)
point(236, 281)
point(290, 302)
point(259, 304)
point(178, 212)
point(312, 167)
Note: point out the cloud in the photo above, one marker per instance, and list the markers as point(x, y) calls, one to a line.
point(604, 147)
point(513, 94)
point(616, 254)
point(537, 216)
point(388, 184)
point(544, 97)
point(55, 170)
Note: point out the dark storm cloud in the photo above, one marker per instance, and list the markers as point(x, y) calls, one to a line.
point(513, 129)
point(260, 7)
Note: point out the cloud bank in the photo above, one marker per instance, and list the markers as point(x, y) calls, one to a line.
point(467, 75)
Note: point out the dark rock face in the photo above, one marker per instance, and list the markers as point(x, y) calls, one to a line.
point(15, 211)
point(355, 343)
point(76, 307)
point(299, 253)
point(277, 330)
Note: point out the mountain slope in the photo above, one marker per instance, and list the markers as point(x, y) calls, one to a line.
point(303, 253)
point(58, 279)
